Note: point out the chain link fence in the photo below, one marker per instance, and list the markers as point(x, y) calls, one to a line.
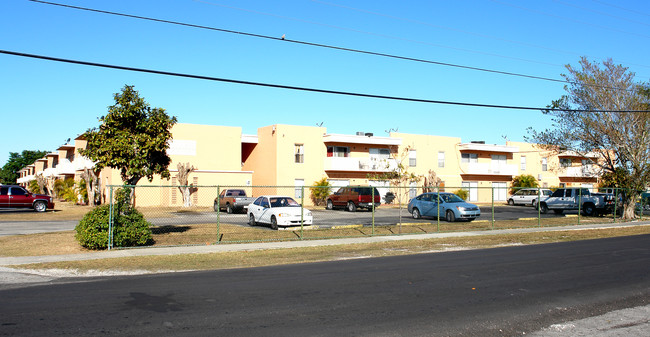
point(206, 215)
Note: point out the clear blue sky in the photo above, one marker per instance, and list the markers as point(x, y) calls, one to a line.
point(45, 102)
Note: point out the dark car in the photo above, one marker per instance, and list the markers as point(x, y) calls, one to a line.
point(18, 197)
point(353, 197)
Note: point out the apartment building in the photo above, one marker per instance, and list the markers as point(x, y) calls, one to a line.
point(284, 158)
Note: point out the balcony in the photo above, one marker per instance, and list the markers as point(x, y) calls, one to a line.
point(490, 169)
point(359, 164)
point(25, 179)
point(65, 167)
point(586, 171)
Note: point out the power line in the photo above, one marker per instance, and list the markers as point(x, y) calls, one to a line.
point(281, 86)
point(315, 44)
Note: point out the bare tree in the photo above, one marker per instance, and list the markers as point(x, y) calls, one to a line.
point(92, 185)
point(184, 170)
point(432, 182)
point(619, 134)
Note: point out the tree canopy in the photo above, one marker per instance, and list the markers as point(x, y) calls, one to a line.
point(619, 134)
point(17, 161)
point(132, 137)
point(522, 181)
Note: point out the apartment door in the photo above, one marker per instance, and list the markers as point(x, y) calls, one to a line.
point(472, 188)
point(500, 191)
point(498, 163)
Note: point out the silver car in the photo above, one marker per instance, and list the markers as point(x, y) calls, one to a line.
point(528, 196)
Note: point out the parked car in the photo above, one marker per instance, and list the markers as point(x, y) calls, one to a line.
point(232, 200)
point(449, 205)
point(578, 198)
point(528, 196)
point(277, 210)
point(353, 197)
point(18, 197)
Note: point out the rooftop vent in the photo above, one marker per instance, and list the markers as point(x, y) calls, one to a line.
point(369, 134)
point(360, 133)
point(478, 142)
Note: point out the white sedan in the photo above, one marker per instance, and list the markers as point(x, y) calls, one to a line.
point(277, 210)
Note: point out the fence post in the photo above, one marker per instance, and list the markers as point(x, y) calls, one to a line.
point(110, 219)
point(579, 203)
point(302, 210)
point(539, 213)
point(492, 207)
point(615, 202)
point(438, 206)
point(373, 210)
point(218, 209)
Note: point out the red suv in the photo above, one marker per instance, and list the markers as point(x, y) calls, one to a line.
point(18, 197)
point(353, 197)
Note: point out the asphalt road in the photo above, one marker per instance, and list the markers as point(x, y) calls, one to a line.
point(495, 292)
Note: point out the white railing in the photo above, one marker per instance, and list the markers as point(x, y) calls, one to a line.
point(360, 164)
point(490, 169)
point(578, 171)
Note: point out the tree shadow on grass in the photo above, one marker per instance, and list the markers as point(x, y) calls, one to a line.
point(168, 229)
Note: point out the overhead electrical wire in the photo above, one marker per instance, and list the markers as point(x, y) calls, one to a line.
point(289, 87)
point(322, 45)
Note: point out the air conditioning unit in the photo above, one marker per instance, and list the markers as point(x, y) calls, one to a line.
point(360, 133)
point(539, 177)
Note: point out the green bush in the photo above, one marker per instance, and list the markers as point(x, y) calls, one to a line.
point(320, 191)
point(129, 226)
point(463, 194)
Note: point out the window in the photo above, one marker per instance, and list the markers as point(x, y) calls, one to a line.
point(565, 162)
point(441, 159)
point(544, 164)
point(299, 153)
point(412, 158)
point(523, 163)
point(338, 151)
point(469, 158)
point(413, 192)
point(298, 183)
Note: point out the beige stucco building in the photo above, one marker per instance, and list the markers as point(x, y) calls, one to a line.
point(283, 158)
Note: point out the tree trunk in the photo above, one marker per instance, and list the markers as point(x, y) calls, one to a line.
point(184, 171)
point(91, 185)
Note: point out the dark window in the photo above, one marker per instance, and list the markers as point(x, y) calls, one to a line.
point(559, 193)
point(4, 190)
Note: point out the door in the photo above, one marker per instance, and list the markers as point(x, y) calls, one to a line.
point(498, 163)
point(500, 191)
point(472, 188)
point(18, 197)
point(429, 205)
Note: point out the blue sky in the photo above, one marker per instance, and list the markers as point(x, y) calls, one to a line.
point(45, 102)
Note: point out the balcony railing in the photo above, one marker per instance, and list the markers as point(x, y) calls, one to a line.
point(359, 164)
point(586, 171)
point(490, 169)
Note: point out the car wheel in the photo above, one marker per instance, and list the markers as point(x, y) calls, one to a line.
point(251, 220)
point(416, 213)
point(558, 211)
point(329, 205)
point(588, 209)
point(543, 208)
point(228, 209)
point(450, 216)
point(534, 203)
point(511, 202)
point(40, 206)
point(274, 222)
point(352, 207)
point(216, 207)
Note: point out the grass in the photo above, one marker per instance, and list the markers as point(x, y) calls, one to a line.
point(328, 253)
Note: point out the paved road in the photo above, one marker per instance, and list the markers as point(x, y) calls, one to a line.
point(495, 292)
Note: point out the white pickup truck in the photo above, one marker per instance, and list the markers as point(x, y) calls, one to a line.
point(590, 203)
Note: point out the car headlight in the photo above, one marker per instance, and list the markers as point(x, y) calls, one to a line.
point(308, 213)
point(461, 208)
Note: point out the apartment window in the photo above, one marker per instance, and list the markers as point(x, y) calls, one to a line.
point(466, 158)
point(565, 162)
point(298, 183)
point(441, 159)
point(544, 164)
point(300, 153)
point(412, 158)
point(338, 151)
point(523, 163)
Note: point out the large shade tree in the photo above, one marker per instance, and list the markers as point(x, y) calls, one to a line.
point(17, 161)
point(132, 137)
point(619, 133)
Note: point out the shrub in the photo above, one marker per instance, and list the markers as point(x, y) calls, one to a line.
point(463, 194)
point(129, 225)
point(320, 191)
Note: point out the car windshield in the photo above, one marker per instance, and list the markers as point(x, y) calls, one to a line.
point(283, 202)
point(451, 198)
